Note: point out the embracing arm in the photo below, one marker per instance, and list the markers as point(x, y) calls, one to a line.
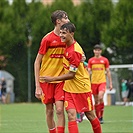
point(69, 75)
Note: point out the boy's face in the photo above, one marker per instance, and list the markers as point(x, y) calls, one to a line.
point(65, 35)
point(63, 20)
point(97, 52)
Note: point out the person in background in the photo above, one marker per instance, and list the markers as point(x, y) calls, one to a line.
point(3, 90)
point(80, 117)
point(0, 92)
point(98, 67)
point(49, 62)
point(131, 96)
point(124, 92)
point(77, 87)
point(129, 87)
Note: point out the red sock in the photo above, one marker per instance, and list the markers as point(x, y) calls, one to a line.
point(73, 127)
point(52, 130)
point(60, 129)
point(96, 126)
point(102, 108)
point(98, 110)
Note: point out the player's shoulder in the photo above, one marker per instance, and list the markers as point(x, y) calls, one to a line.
point(92, 58)
point(77, 47)
point(104, 58)
point(48, 35)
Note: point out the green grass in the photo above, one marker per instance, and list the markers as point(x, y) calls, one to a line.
point(30, 118)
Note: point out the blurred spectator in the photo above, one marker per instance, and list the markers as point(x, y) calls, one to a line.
point(3, 90)
point(124, 92)
point(130, 88)
point(0, 92)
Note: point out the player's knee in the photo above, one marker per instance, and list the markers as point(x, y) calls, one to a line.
point(96, 100)
point(100, 99)
point(100, 96)
point(90, 115)
point(49, 112)
point(71, 116)
point(59, 111)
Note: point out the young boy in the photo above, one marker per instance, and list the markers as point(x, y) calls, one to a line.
point(50, 55)
point(98, 67)
point(78, 96)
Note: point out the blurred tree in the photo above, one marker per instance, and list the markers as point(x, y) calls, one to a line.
point(19, 21)
point(90, 18)
point(5, 26)
point(17, 48)
point(67, 6)
point(118, 34)
point(96, 22)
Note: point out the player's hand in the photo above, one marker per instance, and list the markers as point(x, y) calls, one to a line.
point(110, 87)
point(83, 58)
point(46, 79)
point(38, 92)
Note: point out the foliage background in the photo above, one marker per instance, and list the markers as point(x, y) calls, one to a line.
point(104, 22)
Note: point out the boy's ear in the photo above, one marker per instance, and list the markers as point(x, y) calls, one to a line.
point(72, 33)
point(58, 21)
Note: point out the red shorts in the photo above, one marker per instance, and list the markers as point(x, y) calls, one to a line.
point(98, 87)
point(82, 102)
point(52, 92)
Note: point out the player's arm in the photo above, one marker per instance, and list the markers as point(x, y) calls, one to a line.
point(38, 91)
point(89, 71)
point(89, 67)
point(74, 61)
point(67, 76)
point(109, 78)
point(70, 75)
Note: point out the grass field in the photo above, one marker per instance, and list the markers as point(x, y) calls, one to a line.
point(30, 118)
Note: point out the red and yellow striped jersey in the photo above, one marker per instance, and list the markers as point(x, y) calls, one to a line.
point(53, 49)
point(72, 62)
point(98, 67)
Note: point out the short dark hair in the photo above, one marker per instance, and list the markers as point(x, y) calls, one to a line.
point(58, 14)
point(68, 26)
point(97, 46)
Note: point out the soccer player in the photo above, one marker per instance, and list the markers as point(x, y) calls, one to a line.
point(49, 62)
point(78, 96)
point(98, 67)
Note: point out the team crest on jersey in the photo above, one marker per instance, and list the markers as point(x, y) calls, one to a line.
point(102, 61)
point(93, 61)
point(54, 41)
point(66, 104)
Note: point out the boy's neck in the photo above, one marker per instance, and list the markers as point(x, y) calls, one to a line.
point(70, 42)
point(57, 30)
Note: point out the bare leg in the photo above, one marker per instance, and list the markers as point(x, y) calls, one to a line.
point(72, 124)
point(94, 121)
point(100, 96)
point(50, 116)
point(4, 99)
point(60, 113)
point(71, 114)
